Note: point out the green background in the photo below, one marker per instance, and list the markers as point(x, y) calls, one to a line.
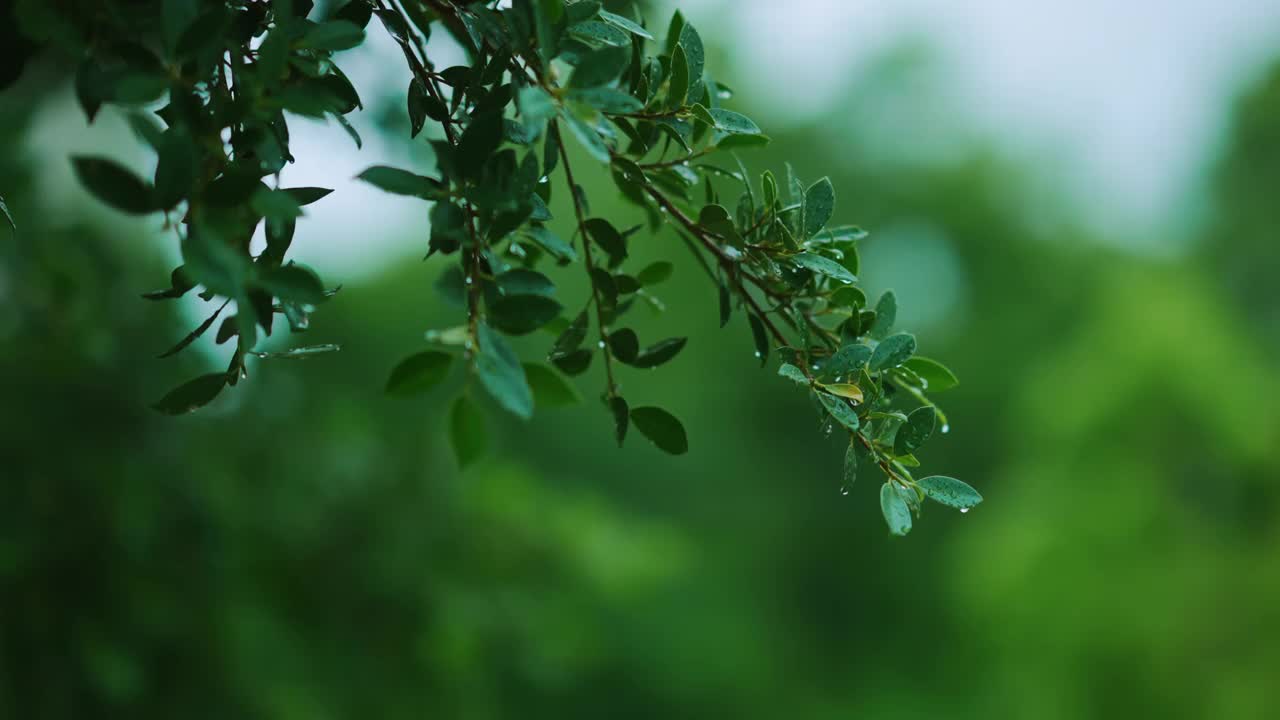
point(306, 548)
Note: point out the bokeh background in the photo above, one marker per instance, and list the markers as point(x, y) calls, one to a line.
point(1076, 205)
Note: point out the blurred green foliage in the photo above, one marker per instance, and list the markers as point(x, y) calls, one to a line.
point(311, 552)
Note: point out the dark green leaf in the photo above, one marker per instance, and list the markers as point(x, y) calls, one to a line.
point(659, 353)
point(886, 314)
point(521, 281)
point(847, 360)
point(294, 283)
point(624, 344)
point(824, 265)
point(661, 428)
point(332, 36)
point(522, 314)
point(915, 431)
point(115, 185)
point(403, 182)
point(418, 373)
point(819, 202)
point(600, 67)
point(618, 407)
point(307, 195)
point(761, 338)
point(193, 395)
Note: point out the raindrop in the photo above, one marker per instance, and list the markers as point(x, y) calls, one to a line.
point(601, 344)
point(468, 279)
point(945, 428)
point(757, 353)
point(815, 367)
point(844, 490)
point(964, 510)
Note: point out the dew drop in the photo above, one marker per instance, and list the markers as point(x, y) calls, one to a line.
point(964, 510)
point(815, 367)
point(468, 280)
point(601, 344)
point(945, 428)
point(757, 353)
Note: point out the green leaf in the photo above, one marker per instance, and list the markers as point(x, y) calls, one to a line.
point(598, 33)
point(655, 273)
point(886, 314)
point(479, 140)
point(587, 135)
point(332, 36)
point(522, 314)
point(115, 185)
point(915, 431)
point(607, 237)
point(571, 338)
point(691, 43)
point(678, 88)
point(851, 462)
point(600, 67)
point(625, 23)
point(847, 360)
point(950, 492)
point(466, 432)
point(192, 395)
point(840, 410)
point(550, 389)
point(550, 242)
point(606, 100)
point(403, 182)
point(294, 283)
point(761, 339)
point(897, 514)
point(791, 372)
point(823, 265)
point(661, 428)
point(499, 370)
point(4, 210)
point(736, 123)
point(536, 106)
point(176, 167)
point(307, 195)
point(893, 351)
point(274, 205)
point(418, 373)
point(659, 353)
point(624, 344)
point(621, 416)
point(299, 353)
point(819, 202)
point(937, 376)
point(522, 281)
